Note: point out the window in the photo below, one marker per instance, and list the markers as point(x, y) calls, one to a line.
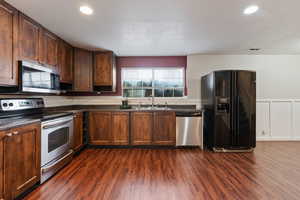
point(160, 82)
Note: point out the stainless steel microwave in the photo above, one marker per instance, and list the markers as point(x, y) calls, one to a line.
point(35, 78)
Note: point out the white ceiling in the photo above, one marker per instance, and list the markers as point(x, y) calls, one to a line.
point(172, 27)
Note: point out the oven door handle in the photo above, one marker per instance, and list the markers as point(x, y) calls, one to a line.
point(49, 168)
point(57, 124)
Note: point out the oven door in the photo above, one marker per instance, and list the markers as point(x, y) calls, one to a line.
point(57, 136)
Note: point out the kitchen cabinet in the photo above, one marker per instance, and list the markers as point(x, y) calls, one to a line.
point(109, 128)
point(65, 62)
point(141, 128)
point(100, 128)
point(164, 126)
point(105, 71)
point(8, 36)
point(48, 47)
point(120, 128)
point(78, 131)
point(83, 71)
point(28, 39)
point(20, 150)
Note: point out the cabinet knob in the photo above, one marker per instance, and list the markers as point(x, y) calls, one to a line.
point(15, 132)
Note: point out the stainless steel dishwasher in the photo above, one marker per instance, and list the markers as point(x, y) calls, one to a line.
point(189, 129)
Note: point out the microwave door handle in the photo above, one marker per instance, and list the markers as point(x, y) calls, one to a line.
point(57, 124)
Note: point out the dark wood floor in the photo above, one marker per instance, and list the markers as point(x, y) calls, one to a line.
point(271, 172)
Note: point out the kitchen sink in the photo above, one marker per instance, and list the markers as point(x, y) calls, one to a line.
point(152, 108)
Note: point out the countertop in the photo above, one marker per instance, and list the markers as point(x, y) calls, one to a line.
point(14, 122)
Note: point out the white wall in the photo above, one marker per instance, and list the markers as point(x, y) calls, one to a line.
point(278, 89)
point(278, 76)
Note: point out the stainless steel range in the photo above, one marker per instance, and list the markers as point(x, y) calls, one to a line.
point(56, 135)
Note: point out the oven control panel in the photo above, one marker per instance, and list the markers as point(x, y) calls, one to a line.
point(21, 104)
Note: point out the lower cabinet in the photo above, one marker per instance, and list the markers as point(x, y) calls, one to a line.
point(109, 128)
point(20, 160)
point(141, 128)
point(164, 128)
point(146, 128)
point(78, 131)
point(120, 128)
point(153, 128)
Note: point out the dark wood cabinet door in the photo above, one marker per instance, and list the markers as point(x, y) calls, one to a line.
point(2, 136)
point(8, 30)
point(78, 131)
point(22, 162)
point(103, 68)
point(48, 44)
point(83, 71)
point(28, 39)
point(141, 128)
point(65, 62)
point(100, 128)
point(120, 128)
point(164, 128)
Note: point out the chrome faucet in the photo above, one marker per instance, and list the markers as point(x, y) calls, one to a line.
point(152, 101)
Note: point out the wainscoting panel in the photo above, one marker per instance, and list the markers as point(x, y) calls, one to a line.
point(296, 120)
point(278, 119)
point(263, 120)
point(281, 120)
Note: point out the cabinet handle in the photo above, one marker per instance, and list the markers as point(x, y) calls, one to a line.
point(15, 133)
point(8, 134)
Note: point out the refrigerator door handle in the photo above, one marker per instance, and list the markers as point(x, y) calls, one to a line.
point(237, 119)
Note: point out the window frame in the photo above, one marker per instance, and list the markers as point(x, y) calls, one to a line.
point(153, 79)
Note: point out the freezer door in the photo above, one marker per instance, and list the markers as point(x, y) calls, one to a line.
point(245, 100)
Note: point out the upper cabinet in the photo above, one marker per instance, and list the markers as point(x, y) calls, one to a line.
point(65, 62)
point(21, 38)
point(36, 43)
point(104, 71)
point(83, 71)
point(28, 41)
point(8, 34)
point(48, 47)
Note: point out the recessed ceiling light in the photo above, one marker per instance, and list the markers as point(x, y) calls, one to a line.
point(86, 10)
point(251, 9)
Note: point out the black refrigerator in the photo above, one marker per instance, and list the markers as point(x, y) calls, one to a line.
point(228, 101)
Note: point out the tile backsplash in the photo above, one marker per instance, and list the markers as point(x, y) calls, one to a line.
point(52, 101)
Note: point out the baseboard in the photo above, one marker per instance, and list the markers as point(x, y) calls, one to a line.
point(278, 139)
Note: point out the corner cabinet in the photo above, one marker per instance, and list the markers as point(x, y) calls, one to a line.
point(8, 37)
point(20, 161)
point(83, 71)
point(105, 71)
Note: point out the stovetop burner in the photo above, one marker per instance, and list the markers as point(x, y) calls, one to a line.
point(27, 108)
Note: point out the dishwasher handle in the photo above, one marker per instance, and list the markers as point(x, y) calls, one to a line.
point(188, 114)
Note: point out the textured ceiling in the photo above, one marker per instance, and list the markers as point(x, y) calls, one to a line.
point(172, 27)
